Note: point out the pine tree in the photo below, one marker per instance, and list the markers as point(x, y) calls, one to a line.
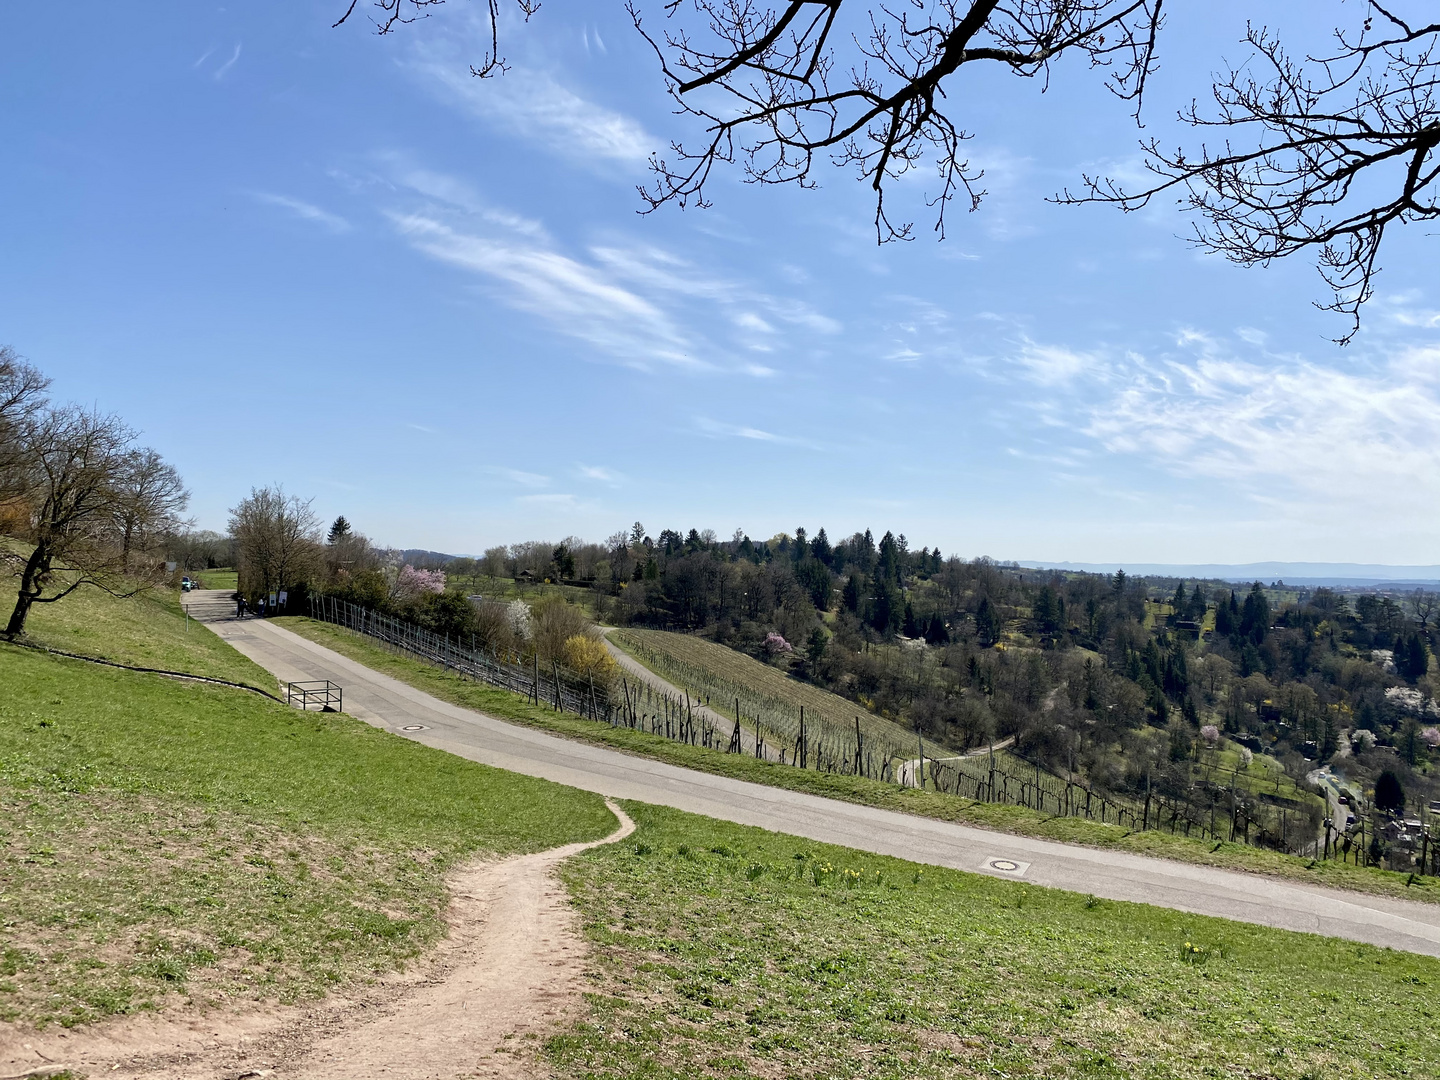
point(987, 623)
point(1389, 795)
point(1255, 615)
point(1412, 658)
point(936, 632)
point(1227, 615)
point(338, 530)
point(889, 559)
point(820, 548)
point(1329, 738)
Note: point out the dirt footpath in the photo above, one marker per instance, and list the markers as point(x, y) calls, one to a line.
point(508, 972)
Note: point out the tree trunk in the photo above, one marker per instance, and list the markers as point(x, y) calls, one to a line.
point(35, 567)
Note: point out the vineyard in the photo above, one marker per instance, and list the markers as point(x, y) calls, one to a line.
point(767, 698)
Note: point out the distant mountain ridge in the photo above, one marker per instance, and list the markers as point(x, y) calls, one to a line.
point(426, 560)
point(1292, 573)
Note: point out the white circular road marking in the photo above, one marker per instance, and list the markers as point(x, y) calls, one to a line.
point(1012, 867)
point(415, 727)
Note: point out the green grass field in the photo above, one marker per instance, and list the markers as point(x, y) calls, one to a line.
point(220, 578)
point(163, 840)
point(146, 630)
point(722, 674)
point(1017, 819)
point(724, 951)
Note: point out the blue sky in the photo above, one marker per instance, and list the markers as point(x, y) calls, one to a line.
point(335, 261)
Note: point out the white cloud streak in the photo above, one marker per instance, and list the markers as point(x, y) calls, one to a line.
point(304, 210)
point(533, 105)
point(1362, 437)
point(639, 304)
point(224, 68)
point(574, 297)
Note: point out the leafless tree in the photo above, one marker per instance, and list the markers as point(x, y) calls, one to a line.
point(200, 550)
point(1423, 604)
point(277, 540)
point(1334, 149)
point(76, 464)
point(1324, 154)
point(152, 498)
point(22, 395)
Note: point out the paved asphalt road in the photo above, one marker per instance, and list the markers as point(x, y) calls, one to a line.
point(394, 706)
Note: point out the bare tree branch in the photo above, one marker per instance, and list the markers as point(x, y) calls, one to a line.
point(771, 92)
point(393, 13)
point(1342, 146)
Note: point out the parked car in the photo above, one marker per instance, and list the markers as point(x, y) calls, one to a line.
point(1344, 800)
point(186, 584)
point(1349, 820)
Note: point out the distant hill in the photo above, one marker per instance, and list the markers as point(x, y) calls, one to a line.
point(1292, 573)
point(426, 560)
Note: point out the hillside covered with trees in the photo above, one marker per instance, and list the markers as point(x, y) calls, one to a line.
point(1129, 684)
point(1223, 700)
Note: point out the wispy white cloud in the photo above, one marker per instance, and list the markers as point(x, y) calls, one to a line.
point(556, 499)
point(1050, 365)
point(532, 104)
point(224, 68)
point(304, 210)
point(454, 193)
point(715, 429)
point(1408, 309)
point(602, 474)
point(572, 296)
point(1361, 436)
point(519, 476)
point(638, 303)
point(661, 271)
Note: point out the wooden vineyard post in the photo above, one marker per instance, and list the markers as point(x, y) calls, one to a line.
point(536, 676)
point(859, 748)
point(804, 750)
point(920, 774)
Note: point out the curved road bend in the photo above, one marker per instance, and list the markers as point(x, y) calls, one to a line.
point(394, 706)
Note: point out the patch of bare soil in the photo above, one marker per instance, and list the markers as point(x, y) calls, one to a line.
point(510, 968)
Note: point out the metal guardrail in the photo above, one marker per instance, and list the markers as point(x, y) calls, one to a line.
point(321, 693)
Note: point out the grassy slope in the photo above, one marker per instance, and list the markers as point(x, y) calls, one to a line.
point(146, 630)
point(703, 666)
point(1016, 819)
point(159, 836)
point(724, 951)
